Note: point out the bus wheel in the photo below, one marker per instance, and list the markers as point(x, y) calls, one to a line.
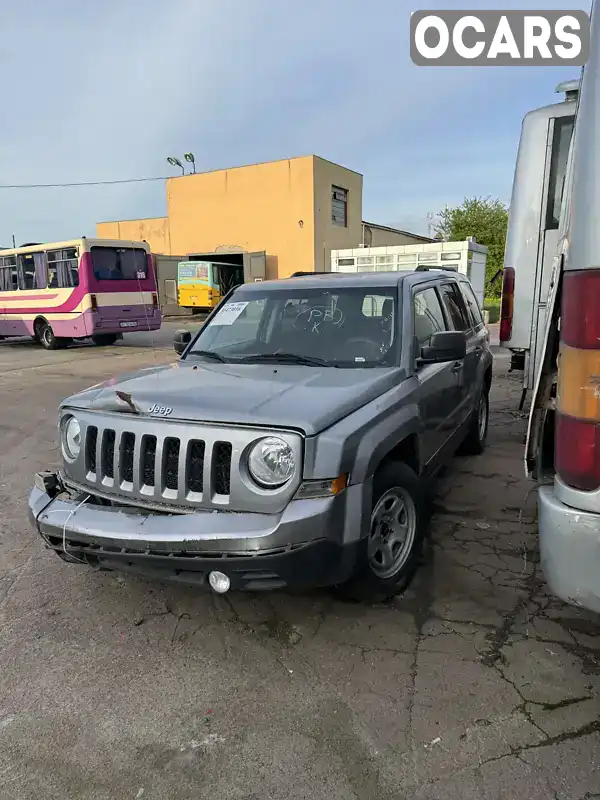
point(37, 330)
point(104, 339)
point(48, 340)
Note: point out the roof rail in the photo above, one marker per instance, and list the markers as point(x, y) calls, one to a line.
point(312, 274)
point(426, 268)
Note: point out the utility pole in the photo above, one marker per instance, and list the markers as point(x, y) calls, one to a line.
point(14, 245)
point(429, 223)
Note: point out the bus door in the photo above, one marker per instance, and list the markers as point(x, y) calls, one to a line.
point(225, 277)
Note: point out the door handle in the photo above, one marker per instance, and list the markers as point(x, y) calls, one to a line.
point(457, 366)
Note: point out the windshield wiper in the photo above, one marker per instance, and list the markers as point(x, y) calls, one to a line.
point(286, 358)
point(208, 354)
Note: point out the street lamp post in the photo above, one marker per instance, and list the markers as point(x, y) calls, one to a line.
point(189, 157)
point(175, 162)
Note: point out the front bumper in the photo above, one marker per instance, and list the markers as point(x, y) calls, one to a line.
point(311, 543)
point(570, 551)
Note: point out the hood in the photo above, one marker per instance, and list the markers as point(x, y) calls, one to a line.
point(309, 399)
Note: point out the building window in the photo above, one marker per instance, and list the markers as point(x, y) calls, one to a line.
point(339, 206)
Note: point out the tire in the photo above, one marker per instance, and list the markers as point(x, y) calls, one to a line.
point(104, 339)
point(474, 442)
point(48, 340)
point(373, 581)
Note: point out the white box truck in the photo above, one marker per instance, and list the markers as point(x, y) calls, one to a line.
point(467, 257)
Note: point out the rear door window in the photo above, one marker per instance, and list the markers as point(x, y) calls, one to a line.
point(455, 306)
point(472, 305)
point(119, 263)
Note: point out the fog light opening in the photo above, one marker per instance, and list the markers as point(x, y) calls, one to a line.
point(219, 582)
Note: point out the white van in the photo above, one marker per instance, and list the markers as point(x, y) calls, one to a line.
point(563, 439)
point(533, 224)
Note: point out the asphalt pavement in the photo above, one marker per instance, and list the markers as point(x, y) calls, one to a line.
point(476, 684)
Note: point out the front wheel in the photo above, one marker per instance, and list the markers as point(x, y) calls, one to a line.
point(395, 540)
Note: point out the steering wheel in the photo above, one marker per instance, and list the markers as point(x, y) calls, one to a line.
point(372, 350)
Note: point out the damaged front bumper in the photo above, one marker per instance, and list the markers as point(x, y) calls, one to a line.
point(312, 542)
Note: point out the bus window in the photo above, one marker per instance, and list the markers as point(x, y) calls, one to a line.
point(62, 265)
point(119, 263)
point(31, 268)
point(5, 279)
point(7, 269)
point(563, 130)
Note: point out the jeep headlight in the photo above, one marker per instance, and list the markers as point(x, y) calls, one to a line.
point(71, 438)
point(271, 462)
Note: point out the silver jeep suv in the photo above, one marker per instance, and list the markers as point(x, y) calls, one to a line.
point(291, 445)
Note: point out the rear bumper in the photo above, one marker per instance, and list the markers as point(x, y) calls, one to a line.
point(303, 546)
point(570, 551)
point(128, 323)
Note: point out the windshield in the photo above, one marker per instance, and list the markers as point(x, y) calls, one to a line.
point(119, 263)
point(352, 327)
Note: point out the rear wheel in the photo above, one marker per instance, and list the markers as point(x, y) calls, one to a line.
point(104, 339)
point(395, 539)
point(474, 442)
point(47, 338)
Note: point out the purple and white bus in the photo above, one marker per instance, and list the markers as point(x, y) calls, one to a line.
point(80, 289)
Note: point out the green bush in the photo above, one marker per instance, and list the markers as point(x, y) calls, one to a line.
point(492, 304)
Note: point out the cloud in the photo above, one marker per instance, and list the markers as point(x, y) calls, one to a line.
point(103, 96)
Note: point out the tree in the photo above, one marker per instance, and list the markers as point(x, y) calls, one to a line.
point(485, 219)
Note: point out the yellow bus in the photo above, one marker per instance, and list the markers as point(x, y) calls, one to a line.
point(202, 284)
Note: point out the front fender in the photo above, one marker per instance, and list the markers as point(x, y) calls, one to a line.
point(358, 443)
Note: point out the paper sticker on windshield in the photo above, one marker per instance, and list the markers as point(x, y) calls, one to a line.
point(229, 314)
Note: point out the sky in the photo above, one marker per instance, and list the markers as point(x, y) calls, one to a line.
point(106, 91)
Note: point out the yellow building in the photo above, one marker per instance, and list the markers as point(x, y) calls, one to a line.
point(294, 211)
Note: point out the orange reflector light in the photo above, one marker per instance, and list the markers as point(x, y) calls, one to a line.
point(322, 488)
point(339, 484)
point(578, 388)
point(94, 302)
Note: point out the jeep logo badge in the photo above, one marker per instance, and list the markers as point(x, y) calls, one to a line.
point(163, 411)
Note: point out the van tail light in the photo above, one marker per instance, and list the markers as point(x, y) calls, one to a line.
point(94, 302)
point(577, 434)
point(154, 300)
point(508, 302)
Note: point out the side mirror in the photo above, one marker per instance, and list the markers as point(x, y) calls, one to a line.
point(445, 346)
point(181, 340)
